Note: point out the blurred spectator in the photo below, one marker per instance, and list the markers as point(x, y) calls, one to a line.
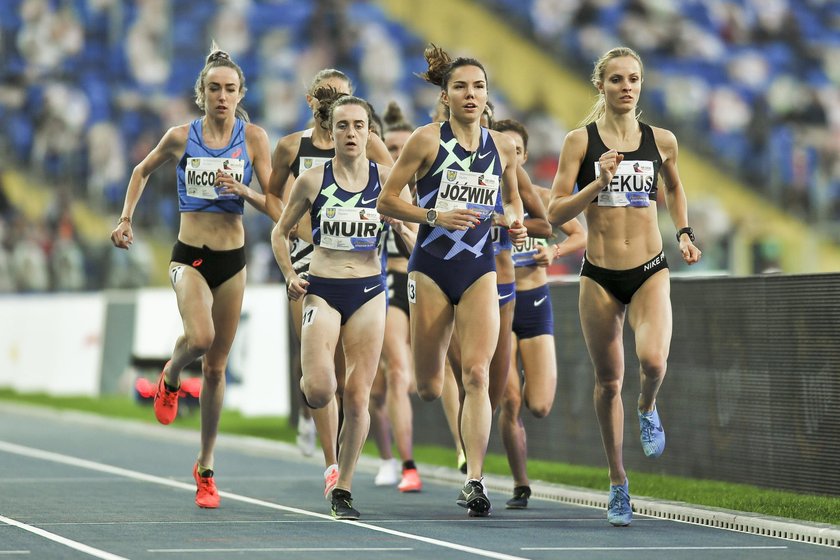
point(29, 259)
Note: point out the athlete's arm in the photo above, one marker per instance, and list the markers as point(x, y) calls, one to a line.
point(574, 230)
point(510, 188)
point(257, 144)
point(300, 200)
point(281, 162)
point(565, 204)
point(535, 223)
point(171, 146)
point(418, 153)
point(674, 191)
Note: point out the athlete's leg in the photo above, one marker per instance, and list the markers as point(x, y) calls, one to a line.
point(510, 424)
point(396, 352)
point(539, 361)
point(649, 315)
point(227, 308)
point(602, 321)
point(432, 319)
point(500, 364)
point(477, 322)
point(195, 304)
point(362, 338)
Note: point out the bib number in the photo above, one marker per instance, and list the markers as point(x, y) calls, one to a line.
point(468, 190)
point(350, 229)
point(630, 186)
point(200, 176)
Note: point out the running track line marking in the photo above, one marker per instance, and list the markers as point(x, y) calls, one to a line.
point(14, 552)
point(95, 552)
point(296, 549)
point(118, 471)
point(593, 548)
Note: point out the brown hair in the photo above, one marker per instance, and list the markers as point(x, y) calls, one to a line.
point(597, 77)
point(217, 59)
point(327, 74)
point(441, 66)
point(395, 120)
point(328, 105)
point(326, 96)
point(513, 126)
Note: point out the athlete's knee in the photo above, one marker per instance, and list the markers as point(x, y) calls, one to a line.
point(317, 395)
point(608, 387)
point(653, 364)
point(510, 407)
point(199, 343)
point(354, 402)
point(398, 380)
point(475, 378)
point(539, 409)
point(430, 389)
point(213, 373)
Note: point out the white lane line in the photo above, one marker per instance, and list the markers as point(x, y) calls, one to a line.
point(598, 548)
point(10, 552)
point(135, 475)
point(309, 549)
point(95, 552)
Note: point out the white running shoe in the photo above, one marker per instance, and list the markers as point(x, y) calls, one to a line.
point(389, 473)
point(306, 436)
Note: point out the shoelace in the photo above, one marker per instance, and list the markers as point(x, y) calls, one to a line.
point(647, 427)
point(620, 498)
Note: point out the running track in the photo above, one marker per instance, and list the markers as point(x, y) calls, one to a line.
point(78, 486)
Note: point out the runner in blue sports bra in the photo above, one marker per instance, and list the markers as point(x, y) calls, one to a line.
point(616, 162)
point(294, 154)
point(217, 156)
point(344, 293)
point(461, 169)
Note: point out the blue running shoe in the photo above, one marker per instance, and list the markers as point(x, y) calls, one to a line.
point(619, 512)
point(652, 433)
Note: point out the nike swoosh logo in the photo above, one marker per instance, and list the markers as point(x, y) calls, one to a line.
point(369, 201)
point(484, 155)
point(505, 296)
point(370, 289)
point(539, 301)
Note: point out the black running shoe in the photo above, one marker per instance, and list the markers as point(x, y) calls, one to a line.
point(472, 497)
point(520, 498)
point(342, 505)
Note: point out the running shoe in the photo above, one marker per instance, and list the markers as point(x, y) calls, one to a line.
point(206, 494)
point(166, 401)
point(473, 498)
point(330, 480)
point(410, 481)
point(462, 462)
point(619, 511)
point(652, 433)
point(388, 474)
point(306, 436)
point(520, 498)
point(342, 505)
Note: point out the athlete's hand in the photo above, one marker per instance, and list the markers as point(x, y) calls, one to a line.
point(690, 253)
point(396, 225)
point(122, 236)
point(518, 232)
point(458, 219)
point(544, 255)
point(228, 185)
point(296, 287)
point(608, 163)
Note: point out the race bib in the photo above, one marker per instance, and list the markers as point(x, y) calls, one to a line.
point(630, 186)
point(350, 229)
point(309, 162)
point(467, 190)
point(523, 255)
point(200, 176)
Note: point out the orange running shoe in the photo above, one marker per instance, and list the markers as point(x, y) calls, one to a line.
point(330, 480)
point(410, 481)
point(166, 401)
point(206, 494)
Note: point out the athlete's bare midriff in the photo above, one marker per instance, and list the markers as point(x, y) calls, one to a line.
point(622, 238)
point(218, 231)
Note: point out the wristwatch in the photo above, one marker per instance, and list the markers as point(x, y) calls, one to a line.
point(687, 230)
point(431, 217)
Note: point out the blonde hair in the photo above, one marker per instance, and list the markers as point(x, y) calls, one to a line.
point(216, 59)
point(600, 106)
point(327, 74)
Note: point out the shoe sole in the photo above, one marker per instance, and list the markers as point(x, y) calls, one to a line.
point(479, 504)
point(410, 490)
point(474, 513)
point(516, 506)
point(346, 517)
